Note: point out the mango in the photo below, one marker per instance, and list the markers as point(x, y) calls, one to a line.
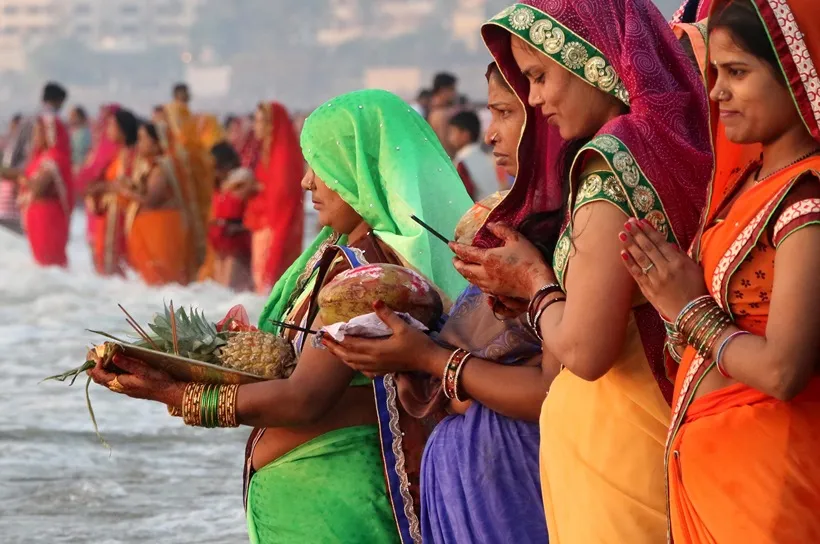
point(353, 293)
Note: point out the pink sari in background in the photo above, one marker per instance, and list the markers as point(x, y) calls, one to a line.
point(103, 153)
point(46, 216)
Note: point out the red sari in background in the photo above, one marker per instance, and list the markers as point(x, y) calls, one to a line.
point(46, 217)
point(276, 215)
point(103, 153)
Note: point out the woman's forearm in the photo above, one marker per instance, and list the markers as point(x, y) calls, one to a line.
point(782, 372)
point(513, 391)
point(275, 403)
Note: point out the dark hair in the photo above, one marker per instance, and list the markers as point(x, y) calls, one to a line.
point(740, 18)
point(129, 125)
point(180, 88)
point(151, 129)
point(467, 120)
point(424, 94)
point(54, 93)
point(542, 229)
point(80, 112)
point(17, 117)
point(444, 80)
point(159, 108)
point(225, 156)
point(493, 73)
point(229, 120)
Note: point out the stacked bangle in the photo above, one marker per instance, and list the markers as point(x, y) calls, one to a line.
point(536, 307)
point(701, 323)
point(722, 348)
point(452, 374)
point(205, 405)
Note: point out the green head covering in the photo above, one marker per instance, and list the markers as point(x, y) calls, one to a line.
point(386, 162)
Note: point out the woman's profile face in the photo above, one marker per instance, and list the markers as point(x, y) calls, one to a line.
point(578, 109)
point(504, 131)
point(146, 145)
point(754, 105)
point(112, 130)
point(333, 211)
point(260, 124)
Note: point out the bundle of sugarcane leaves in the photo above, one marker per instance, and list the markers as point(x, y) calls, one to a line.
point(190, 335)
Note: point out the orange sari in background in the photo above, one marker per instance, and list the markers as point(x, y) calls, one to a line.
point(194, 173)
point(158, 239)
point(743, 467)
point(108, 238)
point(210, 131)
point(276, 215)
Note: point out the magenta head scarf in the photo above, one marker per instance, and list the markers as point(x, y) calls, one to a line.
point(659, 151)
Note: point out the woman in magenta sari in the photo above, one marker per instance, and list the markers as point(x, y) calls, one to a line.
point(103, 153)
point(46, 194)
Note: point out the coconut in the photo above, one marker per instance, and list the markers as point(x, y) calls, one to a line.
point(353, 293)
point(472, 221)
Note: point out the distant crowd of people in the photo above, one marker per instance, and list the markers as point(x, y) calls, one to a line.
point(181, 197)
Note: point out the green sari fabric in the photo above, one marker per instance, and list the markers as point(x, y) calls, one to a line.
point(386, 162)
point(328, 490)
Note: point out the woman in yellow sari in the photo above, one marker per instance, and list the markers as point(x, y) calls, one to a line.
point(182, 142)
point(156, 223)
point(629, 102)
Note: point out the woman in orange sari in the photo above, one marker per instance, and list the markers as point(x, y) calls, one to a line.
point(156, 224)
point(276, 215)
point(742, 453)
point(183, 144)
point(105, 204)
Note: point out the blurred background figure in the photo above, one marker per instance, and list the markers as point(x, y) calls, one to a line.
point(227, 233)
point(80, 137)
point(443, 103)
point(473, 164)
point(14, 156)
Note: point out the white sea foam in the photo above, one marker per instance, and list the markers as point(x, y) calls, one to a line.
point(162, 482)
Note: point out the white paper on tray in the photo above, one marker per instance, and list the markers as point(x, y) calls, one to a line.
point(365, 326)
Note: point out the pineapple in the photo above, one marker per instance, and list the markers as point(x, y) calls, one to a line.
point(255, 352)
point(260, 353)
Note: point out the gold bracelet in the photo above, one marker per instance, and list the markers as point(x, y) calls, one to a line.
point(174, 411)
point(227, 406)
point(191, 409)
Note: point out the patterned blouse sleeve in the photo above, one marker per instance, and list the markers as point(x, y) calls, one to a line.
point(800, 209)
point(601, 186)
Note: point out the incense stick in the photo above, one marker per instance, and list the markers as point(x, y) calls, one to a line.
point(174, 329)
point(293, 327)
point(133, 322)
point(430, 229)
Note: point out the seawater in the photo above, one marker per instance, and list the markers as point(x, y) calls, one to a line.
point(161, 482)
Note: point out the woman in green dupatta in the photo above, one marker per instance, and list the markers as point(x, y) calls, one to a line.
point(324, 464)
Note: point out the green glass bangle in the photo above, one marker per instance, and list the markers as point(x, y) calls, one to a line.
point(213, 400)
point(203, 406)
point(704, 318)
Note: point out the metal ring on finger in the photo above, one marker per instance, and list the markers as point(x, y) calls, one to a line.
point(647, 268)
point(115, 386)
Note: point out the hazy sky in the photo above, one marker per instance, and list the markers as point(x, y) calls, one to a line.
point(668, 6)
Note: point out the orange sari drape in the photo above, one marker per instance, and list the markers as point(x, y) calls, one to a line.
point(743, 466)
point(194, 173)
point(159, 244)
point(108, 238)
